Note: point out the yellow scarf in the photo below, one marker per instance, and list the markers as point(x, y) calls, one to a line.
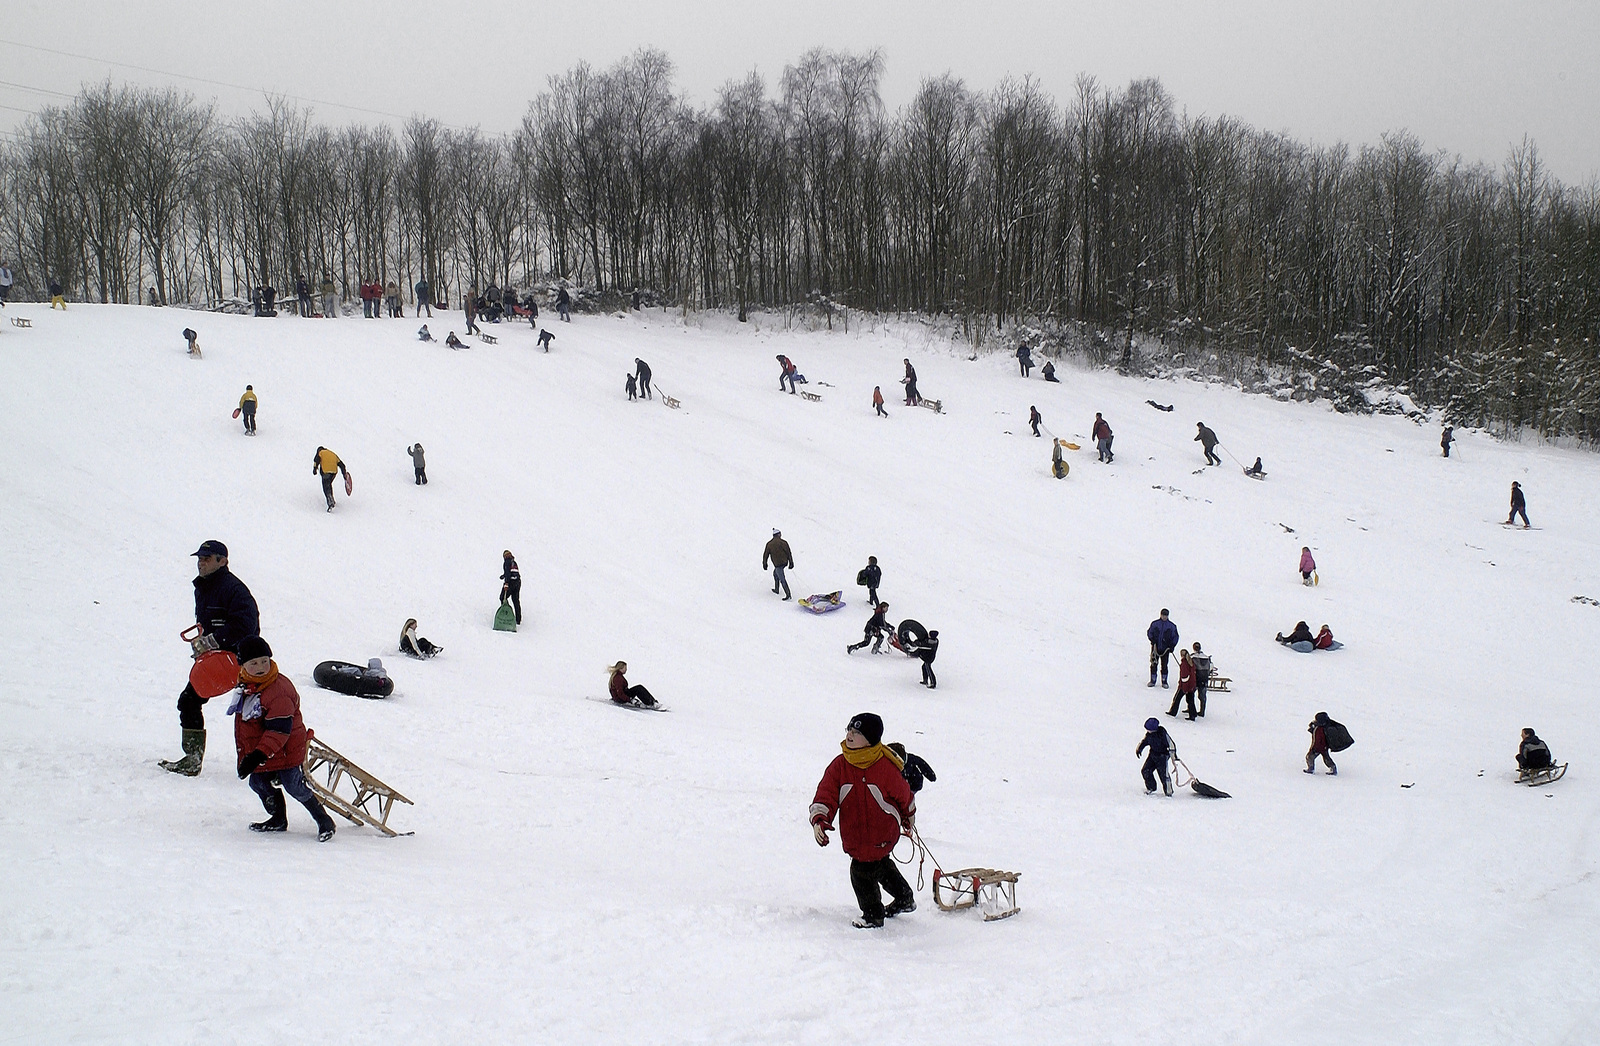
point(256, 684)
point(861, 758)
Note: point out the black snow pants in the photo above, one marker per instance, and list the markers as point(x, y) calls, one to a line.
point(1156, 766)
point(867, 876)
point(190, 705)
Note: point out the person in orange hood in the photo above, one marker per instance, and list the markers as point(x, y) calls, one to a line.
point(271, 738)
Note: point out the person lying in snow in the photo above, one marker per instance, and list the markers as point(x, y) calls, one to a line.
point(424, 334)
point(453, 342)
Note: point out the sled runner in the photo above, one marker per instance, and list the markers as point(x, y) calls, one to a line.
point(1542, 775)
point(822, 604)
point(991, 890)
point(488, 339)
point(367, 799)
point(355, 680)
point(21, 321)
point(1217, 683)
point(671, 401)
point(215, 671)
point(812, 396)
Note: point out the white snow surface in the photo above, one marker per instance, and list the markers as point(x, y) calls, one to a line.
point(585, 874)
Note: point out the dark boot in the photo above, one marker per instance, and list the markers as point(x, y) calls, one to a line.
point(194, 753)
point(318, 814)
point(277, 817)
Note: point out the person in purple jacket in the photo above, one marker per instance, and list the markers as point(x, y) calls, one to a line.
point(1163, 636)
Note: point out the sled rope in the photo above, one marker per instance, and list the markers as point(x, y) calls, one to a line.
point(919, 853)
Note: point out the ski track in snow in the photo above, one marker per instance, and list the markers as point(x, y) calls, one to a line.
point(583, 875)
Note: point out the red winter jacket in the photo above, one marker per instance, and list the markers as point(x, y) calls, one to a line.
point(1187, 683)
point(872, 804)
point(619, 688)
point(1101, 429)
point(278, 733)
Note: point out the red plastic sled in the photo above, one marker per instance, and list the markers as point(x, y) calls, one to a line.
point(347, 483)
point(237, 411)
point(215, 672)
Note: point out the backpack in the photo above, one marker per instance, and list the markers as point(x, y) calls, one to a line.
point(1337, 736)
point(861, 576)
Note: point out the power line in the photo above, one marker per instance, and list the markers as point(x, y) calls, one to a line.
point(200, 79)
point(36, 90)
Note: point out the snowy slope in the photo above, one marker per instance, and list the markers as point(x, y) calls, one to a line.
point(585, 874)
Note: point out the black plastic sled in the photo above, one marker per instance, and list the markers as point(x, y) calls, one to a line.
point(355, 680)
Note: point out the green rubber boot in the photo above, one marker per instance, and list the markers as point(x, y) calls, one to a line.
point(194, 753)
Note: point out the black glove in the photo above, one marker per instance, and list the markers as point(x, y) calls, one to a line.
point(248, 764)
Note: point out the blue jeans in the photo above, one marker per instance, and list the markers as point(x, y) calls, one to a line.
point(779, 579)
point(293, 781)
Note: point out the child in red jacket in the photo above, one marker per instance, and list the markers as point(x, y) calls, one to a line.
point(271, 738)
point(864, 787)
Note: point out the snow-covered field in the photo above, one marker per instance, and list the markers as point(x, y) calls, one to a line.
point(584, 874)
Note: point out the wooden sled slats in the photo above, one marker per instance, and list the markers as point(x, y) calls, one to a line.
point(992, 891)
point(353, 793)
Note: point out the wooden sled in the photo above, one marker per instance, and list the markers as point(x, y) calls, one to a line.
point(488, 339)
point(937, 406)
point(812, 396)
point(368, 800)
point(1219, 683)
point(21, 321)
point(1542, 776)
point(993, 892)
point(670, 401)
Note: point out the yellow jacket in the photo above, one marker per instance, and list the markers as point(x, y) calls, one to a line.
point(328, 462)
point(248, 397)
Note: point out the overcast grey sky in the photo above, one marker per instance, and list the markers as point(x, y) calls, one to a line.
point(1467, 77)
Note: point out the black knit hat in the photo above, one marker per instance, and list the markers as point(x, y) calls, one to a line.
point(868, 726)
point(252, 647)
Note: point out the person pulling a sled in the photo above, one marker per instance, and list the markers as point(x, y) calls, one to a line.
point(1207, 439)
point(778, 553)
point(226, 613)
point(865, 789)
point(1202, 676)
point(414, 645)
point(872, 632)
point(622, 693)
point(271, 739)
point(247, 409)
point(641, 370)
point(1161, 748)
point(1034, 418)
point(511, 583)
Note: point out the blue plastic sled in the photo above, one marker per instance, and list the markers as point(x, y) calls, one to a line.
point(822, 604)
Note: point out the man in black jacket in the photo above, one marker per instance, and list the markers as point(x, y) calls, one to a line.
point(872, 577)
point(641, 370)
point(226, 612)
point(1519, 504)
point(927, 650)
point(1207, 439)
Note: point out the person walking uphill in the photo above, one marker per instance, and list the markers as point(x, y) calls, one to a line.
point(641, 370)
point(778, 553)
point(871, 576)
point(1159, 742)
point(511, 586)
point(1518, 505)
point(1163, 636)
point(1208, 440)
point(927, 651)
point(864, 788)
point(326, 463)
point(227, 615)
point(913, 397)
point(247, 409)
point(1447, 437)
point(271, 739)
point(1024, 359)
point(1308, 564)
point(877, 401)
point(1102, 437)
point(1319, 744)
point(1034, 419)
point(419, 463)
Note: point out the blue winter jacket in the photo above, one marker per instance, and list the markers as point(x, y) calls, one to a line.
point(1164, 635)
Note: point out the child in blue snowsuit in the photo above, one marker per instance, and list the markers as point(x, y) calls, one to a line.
point(1162, 749)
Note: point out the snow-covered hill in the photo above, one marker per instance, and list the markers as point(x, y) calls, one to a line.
point(585, 874)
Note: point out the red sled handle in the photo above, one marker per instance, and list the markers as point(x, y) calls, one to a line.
point(190, 634)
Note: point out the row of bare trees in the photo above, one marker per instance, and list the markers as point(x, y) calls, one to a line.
point(1474, 287)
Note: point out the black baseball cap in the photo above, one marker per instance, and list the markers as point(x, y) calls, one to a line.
point(211, 548)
